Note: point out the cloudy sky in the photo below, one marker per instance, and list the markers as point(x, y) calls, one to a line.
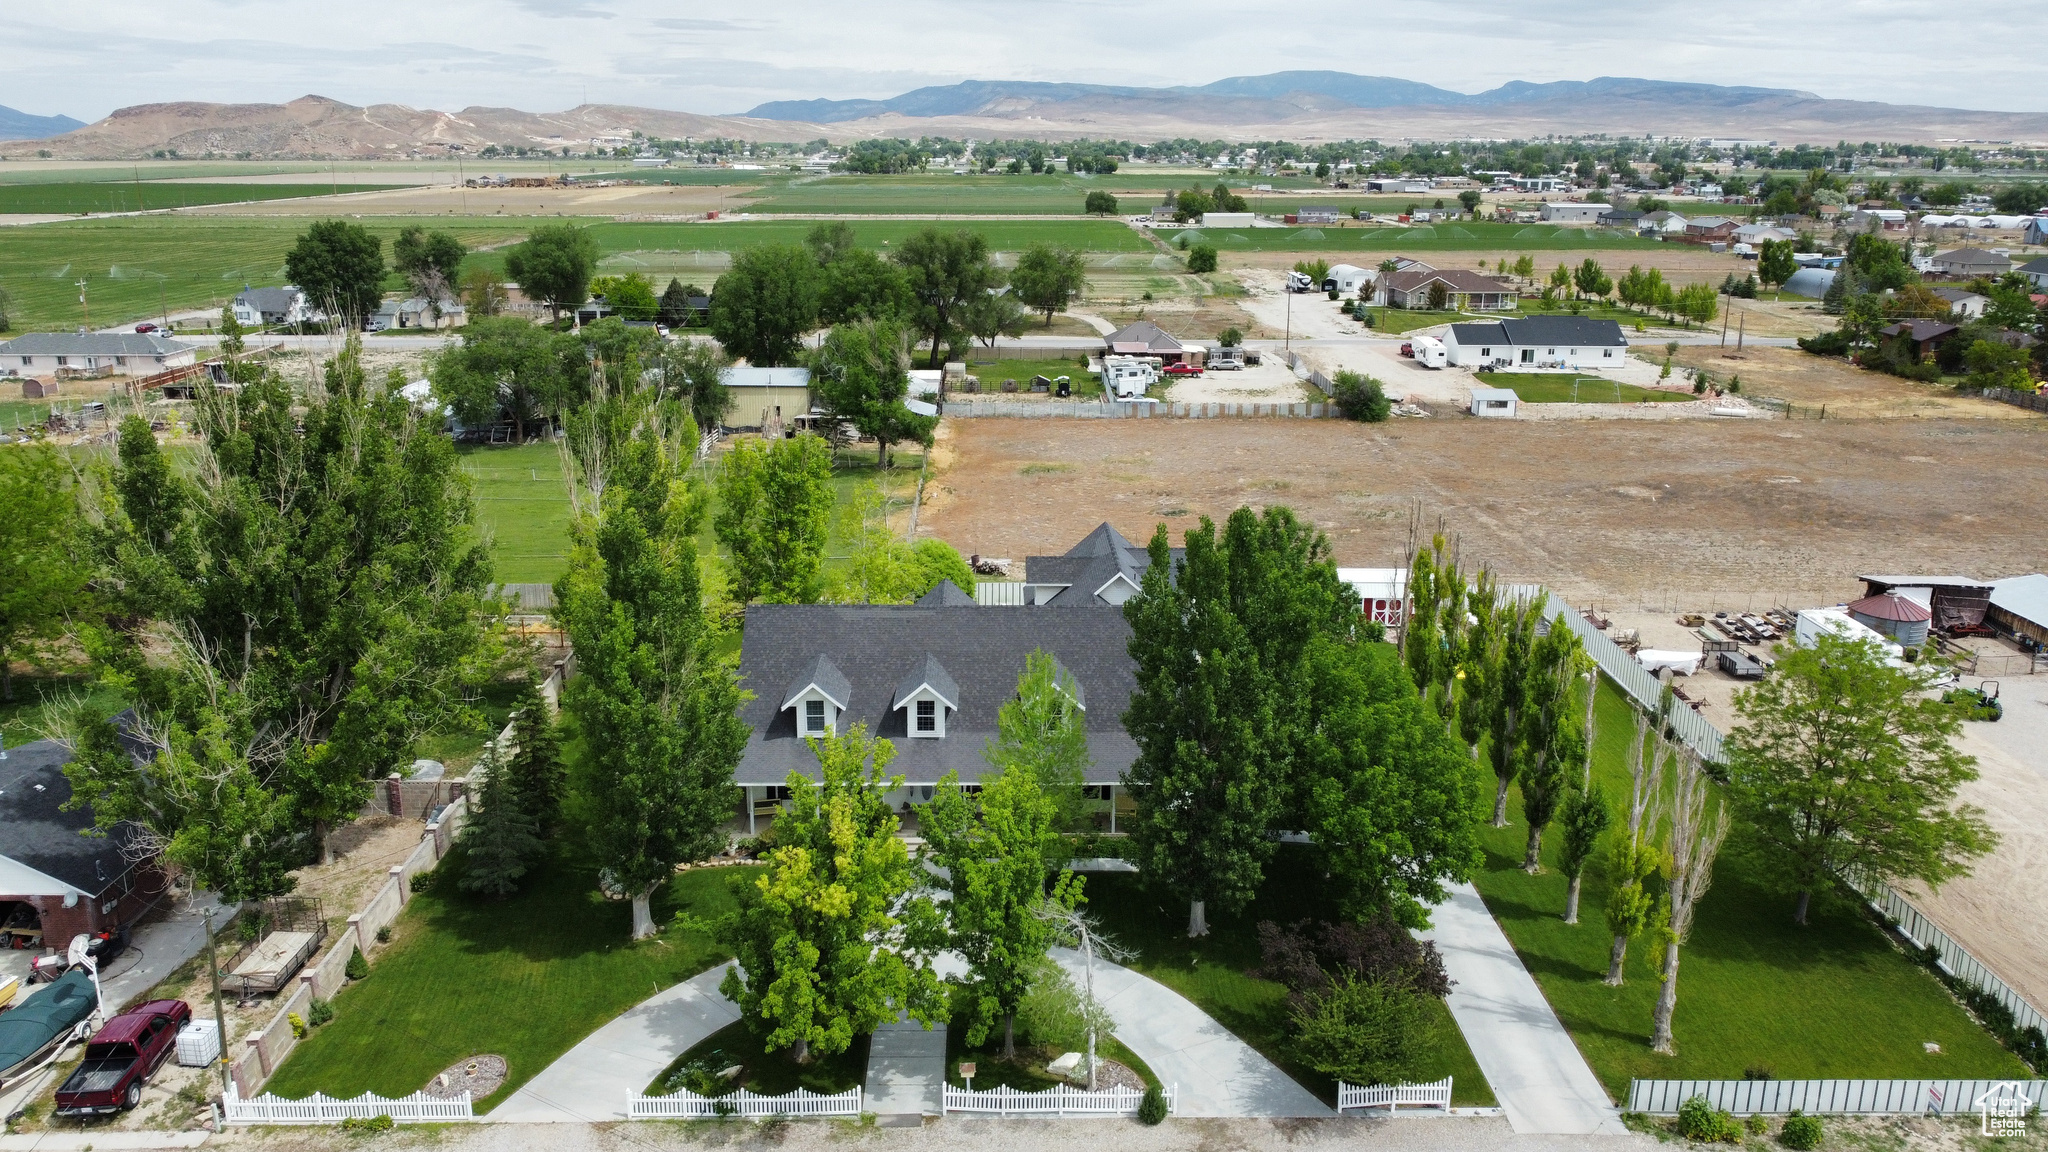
point(88, 57)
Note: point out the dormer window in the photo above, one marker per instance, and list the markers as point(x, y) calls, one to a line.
point(926, 695)
point(814, 717)
point(819, 696)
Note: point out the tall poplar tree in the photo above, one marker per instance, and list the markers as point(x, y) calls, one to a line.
point(1552, 735)
point(774, 514)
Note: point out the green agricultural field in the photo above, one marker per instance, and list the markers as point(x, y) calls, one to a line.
point(114, 196)
point(525, 978)
point(135, 267)
point(1053, 194)
point(1471, 236)
point(1565, 388)
point(1216, 971)
point(1832, 1000)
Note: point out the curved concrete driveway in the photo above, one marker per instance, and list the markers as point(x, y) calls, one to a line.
point(1216, 1073)
point(600, 1078)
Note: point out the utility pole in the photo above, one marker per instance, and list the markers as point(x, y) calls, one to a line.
point(220, 1015)
point(1739, 330)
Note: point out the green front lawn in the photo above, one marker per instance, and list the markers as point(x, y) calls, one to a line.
point(1830, 1000)
point(1025, 1071)
point(1394, 321)
point(1569, 388)
point(761, 1072)
point(523, 501)
point(524, 978)
point(992, 374)
point(1214, 971)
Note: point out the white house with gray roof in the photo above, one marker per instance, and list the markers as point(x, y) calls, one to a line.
point(263, 307)
point(93, 354)
point(1575, 343)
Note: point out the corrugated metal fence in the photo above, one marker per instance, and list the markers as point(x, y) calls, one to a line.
point(1826, 1097)
point(1127, 409)
point(1953, 959)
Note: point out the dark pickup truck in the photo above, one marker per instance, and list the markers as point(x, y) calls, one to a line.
point(126, 1051)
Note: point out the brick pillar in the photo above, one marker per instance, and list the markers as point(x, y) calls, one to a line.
point(310, 977)
point(355, 934)
point(255, 1044)
point(404, 889)
point(394, 798)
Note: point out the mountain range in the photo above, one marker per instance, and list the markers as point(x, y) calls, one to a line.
point(1300, 106)
point(16, 125)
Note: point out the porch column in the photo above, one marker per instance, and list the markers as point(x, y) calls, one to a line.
point(1112, 809)
point(747, 798)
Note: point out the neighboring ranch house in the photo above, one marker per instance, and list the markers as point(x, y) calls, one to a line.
point(417, 312)
point(1710, 229)
point(1144, 338)
point(1573, 212)
point(1970, 263)
point(1963, 303)
point(1567, 342)
point(1924, 335)
point(93, 354)
point(758, 397)
point(262, 307)
point(932, 676)
point(55, 880)
point(1661, 223)
point(2036, 270)
point(1465, 290)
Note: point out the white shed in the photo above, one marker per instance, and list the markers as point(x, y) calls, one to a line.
point(1346, 279)
point(1229, 219)
point(1495, 403)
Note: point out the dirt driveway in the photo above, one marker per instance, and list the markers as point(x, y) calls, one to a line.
point(1656, 513)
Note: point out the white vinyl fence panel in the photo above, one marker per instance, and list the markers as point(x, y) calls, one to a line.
point(1056, 1101)
point(1825, 1097)
point(318, 1109)
point(1392, 1096)
point(687, 1105)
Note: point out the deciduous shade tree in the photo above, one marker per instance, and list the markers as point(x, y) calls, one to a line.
point(1202, 258)
point(483, 293)
point(292, 613)
point(340, 266)
point(1553, 742)
point(944, 271)
point(998, 848)
point(1591, 280)
point(831, 941)
point(503, 369)
point(656, 703)
point(1844, 767)
point(883, 569)
point(1360, 397)
point(554, 263)
point(861, 373)
point(431, 262)
point(43, 566)
point(762, 308)
point(1099, 203)
point(774, 512)
point(993, 316)
point(860, 285)
point(1047, 279)
point(1774, 262)
point(630, 297)
point(1637, 863)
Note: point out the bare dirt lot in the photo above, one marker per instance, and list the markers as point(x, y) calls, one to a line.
point(1812, 382)
point(1659, 514)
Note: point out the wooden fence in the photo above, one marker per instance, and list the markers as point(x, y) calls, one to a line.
point(2032, 401)
point(1057, 1101)
point(417, 1108)
point(1392, 1096)
point(1826, 1097)
point(687, 1105)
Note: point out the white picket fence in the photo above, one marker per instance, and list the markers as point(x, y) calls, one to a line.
point(687, 1105)
point(1825, 1097)
point(1392, 1096)
point(417, 1108)
point(1057, 1101)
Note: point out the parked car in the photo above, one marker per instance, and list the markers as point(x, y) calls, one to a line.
point(120, 1057)
point(1408, 350)
point(1181, 370)
point(1226, 364)
point(145, 327)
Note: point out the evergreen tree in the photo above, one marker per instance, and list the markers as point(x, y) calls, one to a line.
point(499, 842)
point(534, 770)
point(830, 941)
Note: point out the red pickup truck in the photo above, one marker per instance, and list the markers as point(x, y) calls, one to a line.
point(125, 1052)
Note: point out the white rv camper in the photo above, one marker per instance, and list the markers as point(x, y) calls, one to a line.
point(1430, 352)
point(1127, 377)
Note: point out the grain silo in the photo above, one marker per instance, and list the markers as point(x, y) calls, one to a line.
point(1903, 619)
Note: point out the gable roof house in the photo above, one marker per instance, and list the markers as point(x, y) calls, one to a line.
point(1662, 223)
point(261, 307)
point(932, 676)
point(1710, 229)
point(1970, 263)
point(417, 312)
point(2036, 270)
point(1576, 342)
point(56, 881)
point(1924, 335)
point(93, 353)
point(1465, 290)
point(1144, 338)
point(2036, 232)
point(1963, 302)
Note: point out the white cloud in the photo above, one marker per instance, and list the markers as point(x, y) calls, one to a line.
point(87, 58)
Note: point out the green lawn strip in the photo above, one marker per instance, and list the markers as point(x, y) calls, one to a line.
point(992, 373)
point(525, 978)
point(1213, 972)
point(1831, 1000)
point(118, 196)
point(1558, 388)
point(1026, 1072)
point(1394, 321)
point(521, 498)
point(136, 268)
point(1463, 236)
point(1002, 235)
point(762, 1072)
point(1049, 194)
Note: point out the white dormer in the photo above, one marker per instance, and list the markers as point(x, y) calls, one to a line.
point(1117, 589)
point(926, 697)
point(819, 697)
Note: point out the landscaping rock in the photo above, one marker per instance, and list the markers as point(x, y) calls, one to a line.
point(479, 1076)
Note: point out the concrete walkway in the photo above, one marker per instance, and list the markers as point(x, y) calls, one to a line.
point(1537, 1073)
point(906, 1069)
point(1216, 1073)
point(600, 1078)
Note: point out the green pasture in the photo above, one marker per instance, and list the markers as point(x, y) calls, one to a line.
point(1567, 388)
point(115, 196)
point(1831, 1000)
point(1464, 236)
point(135, 267)
point(995, 194)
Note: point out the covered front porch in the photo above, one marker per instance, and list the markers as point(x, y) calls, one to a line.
point(1104, 805)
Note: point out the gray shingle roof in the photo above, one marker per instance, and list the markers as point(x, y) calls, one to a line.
point(1142, 335)
point(823, 675)
point(930, 674)
point(1090, 566)
point(946, 594)
point(36, 831)
point(878, 647)
point(1576, 331)
point(91, 344)
point(269, 300)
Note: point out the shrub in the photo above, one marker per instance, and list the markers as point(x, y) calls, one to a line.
point(1361, 1030)
point(1373, 632)
point(1202, 258)
point(421, 881)
point(1834, 343)
point(1758, 1072)
point(1755, 1124)
point(366, 1124)
point(1800, 1132)
point(1230, 338)
point(1699, 1120)
point(298, 1024)
point(384, 934)
point(1152, 1109)
point(320, 1013)
point(357, 967)
point(1361, 397)
point(1307, 954)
